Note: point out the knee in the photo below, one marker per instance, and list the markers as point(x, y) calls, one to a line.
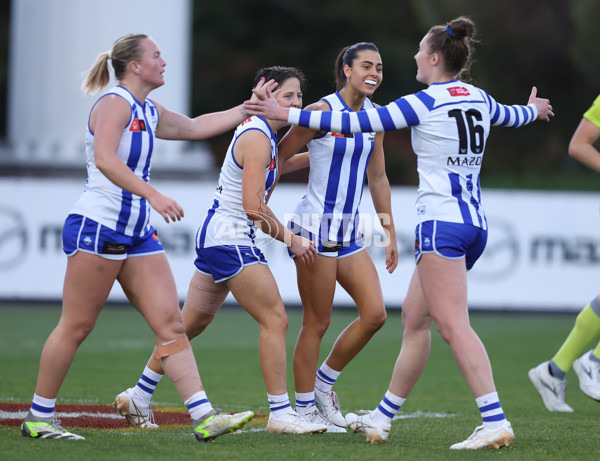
point(276, 319)
point(198, 327)
point(172, 326)
point(449, 331)
point(374, 320)
point(317, 325)
point(415, 322)
point(76, 332)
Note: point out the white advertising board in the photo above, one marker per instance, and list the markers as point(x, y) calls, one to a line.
point(543, 250)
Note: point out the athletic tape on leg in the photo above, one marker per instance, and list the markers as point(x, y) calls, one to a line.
point(171, 347)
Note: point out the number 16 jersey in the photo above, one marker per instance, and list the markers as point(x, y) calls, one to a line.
point(450, 124)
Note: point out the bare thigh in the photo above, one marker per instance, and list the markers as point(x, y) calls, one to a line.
point(203, 300)
point(358, 276)
point(256, 291)
point(149, 285)
point(316, 284)
point(88, 281)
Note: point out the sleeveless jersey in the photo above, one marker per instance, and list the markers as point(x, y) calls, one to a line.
point(450, 124)
point(102, 200)
point(226, 222)
point(593, 113)
point(338, 166)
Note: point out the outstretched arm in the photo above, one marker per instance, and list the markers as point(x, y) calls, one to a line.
point(173, 125)
point(396, 115)
point(515, 116)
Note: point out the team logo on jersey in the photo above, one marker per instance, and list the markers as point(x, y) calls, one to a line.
point(137, 125)
point(342, 135)
point(458, 91)
point(272, 164)
point(246, 121)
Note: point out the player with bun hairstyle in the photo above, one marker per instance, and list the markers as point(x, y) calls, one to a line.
point(450, 122)
point(108, 237)
point(229, 261)
point(328, 214)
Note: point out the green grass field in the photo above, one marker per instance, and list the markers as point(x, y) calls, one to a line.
point(439, 412)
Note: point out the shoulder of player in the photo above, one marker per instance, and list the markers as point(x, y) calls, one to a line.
point(319, 105)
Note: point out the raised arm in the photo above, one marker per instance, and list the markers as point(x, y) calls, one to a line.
point(173, 125)
point(398, 114)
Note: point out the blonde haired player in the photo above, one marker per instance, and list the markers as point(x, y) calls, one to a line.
point(108, 237)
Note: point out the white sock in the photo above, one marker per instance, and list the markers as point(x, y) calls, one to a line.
point(42, 407)
point(279, 404)
point(303, 400)
point(492, 414)
point(326, 378)
point(198, 405)
point(146, 385)
point(387, 408)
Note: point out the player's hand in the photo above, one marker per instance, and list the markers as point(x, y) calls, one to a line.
point(265, 104)
point(263, 89)
point(543, 106)
point(303, 249)
point(391, 256)
point(168, 208)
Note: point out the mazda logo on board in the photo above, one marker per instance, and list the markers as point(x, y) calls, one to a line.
point(501, 255)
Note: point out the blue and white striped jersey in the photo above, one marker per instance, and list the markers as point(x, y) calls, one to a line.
point(102, 200)
point(450, 123)
point(226, 222)
point(338, 165)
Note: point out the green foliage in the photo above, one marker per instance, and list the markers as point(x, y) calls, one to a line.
point(113, 357)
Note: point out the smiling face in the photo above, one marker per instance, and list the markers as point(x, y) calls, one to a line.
point(151, 66)
point(289, 93)
point(366, 73)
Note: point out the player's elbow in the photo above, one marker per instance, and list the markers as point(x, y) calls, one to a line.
point(252, 211)
point(574, 150)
